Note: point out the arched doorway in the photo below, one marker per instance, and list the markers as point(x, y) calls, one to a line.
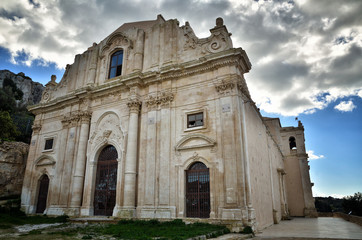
point(106, 182)
point(43, 194)
point(198, 191)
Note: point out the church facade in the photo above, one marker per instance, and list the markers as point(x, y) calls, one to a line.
point(154, 122)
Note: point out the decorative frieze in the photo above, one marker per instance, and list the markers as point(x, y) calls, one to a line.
point(228, 86)
point(225, 86)
point(76, 117)
point(162, 99)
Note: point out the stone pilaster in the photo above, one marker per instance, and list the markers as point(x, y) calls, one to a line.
point(129, 204)
point(78, 177)
point(26, 190)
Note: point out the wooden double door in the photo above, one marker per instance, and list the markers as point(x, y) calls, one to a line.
point(106, 182)
point(198, 191)
point(43, 194)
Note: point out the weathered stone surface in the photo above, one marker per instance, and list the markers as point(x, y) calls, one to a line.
point(32, 90)
point(13, 157)
point(174, 102)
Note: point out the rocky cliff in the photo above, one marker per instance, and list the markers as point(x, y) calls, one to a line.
point(13, 157)
point(32, 90)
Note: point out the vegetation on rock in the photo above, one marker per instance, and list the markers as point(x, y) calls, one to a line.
point(15, 119)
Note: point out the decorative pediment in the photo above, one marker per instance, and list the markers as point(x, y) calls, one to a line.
point(44, 160)
point(116, 40)
point(193, 141)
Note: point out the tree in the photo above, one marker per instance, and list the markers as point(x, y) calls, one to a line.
point(18, 94)
point(8, 129)
point(353, 204)
point(7, 100)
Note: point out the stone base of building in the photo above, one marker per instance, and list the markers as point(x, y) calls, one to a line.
point(310, 212)
point(72, 211)
point(231, 214)
point(28, 209)
point(124, 212)
point(156, 212)
point(56, 210)
point(87, 211)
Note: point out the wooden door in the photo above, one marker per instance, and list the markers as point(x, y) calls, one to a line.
point(198, 191)
point(43, 194)
point(106, 182)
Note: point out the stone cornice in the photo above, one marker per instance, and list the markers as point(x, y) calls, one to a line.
point(210, 62)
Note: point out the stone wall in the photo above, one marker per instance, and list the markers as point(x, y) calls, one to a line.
point(13, 157)
point(32, 90)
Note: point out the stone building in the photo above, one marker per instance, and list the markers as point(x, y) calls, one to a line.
point(154, 122)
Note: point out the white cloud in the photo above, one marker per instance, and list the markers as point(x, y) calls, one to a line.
point(359, 93)
point(305, 55)
point(345, 106)
point(313, 156)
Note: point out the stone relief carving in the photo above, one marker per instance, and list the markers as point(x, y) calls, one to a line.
point(225, 86)
point(74, 118)
point(108, 129)
point(191, 39)
point(228, 85)
point(159, 99)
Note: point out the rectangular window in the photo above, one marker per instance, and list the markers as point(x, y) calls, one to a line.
point(195, 120)
point(48, 144)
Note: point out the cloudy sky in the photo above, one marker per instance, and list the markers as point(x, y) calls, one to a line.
point(306, 57)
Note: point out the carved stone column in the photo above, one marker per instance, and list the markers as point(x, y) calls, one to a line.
point(131, 160)
point(78, 176)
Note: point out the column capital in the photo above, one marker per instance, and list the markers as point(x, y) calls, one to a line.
point(134, 105)
point(85, 116)
point(36, 128)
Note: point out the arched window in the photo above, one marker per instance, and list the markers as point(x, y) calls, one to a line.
point(292, 144)
point(115, 68)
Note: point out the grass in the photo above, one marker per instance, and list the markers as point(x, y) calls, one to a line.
point(153, 229)
point(124, 229)
point(176, 229)
point(16, 217)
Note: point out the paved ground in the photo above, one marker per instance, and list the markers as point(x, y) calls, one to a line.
point(312, 228)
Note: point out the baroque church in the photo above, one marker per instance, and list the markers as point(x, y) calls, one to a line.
point(154, 122)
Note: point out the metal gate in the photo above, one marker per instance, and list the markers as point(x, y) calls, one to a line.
point(198, 191)
point(43, 194)
point(106, 182)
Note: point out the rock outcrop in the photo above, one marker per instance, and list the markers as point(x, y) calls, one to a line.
point(32, 90)
point(13, 157)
